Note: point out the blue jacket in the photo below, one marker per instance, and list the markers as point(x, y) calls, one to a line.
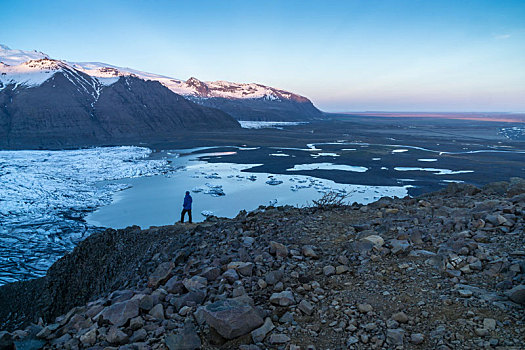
point(187, 202)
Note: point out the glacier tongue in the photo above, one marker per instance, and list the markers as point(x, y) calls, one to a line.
point(45, 194)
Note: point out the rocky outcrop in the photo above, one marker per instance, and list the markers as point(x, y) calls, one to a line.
point(72, 109)
point(445, 270)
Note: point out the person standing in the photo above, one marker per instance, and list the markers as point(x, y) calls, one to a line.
point(186, 207)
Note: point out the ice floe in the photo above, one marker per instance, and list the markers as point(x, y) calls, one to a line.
point(250, 124)
point(434, 170)
point(272, 181)
point(328, 166)
point(324, 154)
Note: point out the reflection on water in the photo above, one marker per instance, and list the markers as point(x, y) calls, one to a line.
point(157, 200)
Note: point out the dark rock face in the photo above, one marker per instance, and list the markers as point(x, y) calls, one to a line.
point(262, 109)
point(72, 109)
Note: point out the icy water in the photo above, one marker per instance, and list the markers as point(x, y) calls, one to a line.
point(51, 200)
point(157, 200)
point(45, 194)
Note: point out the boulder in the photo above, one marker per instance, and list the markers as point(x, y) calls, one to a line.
point(309, 252)
point(364, 308)
point(260, 333)
point(248, 241)
point(120, 295)
point(189, 299)
point(174, 286)
point(362, 247)
point(230, 318)
point(230, 275)
point(211, 273)
point(119, 314)
point(306, 307)
point(116, 336)
point(376, 240)
point(284, 298)
point(157, 311)
point(273, 277)
point(278, 249)
point(279, 339)
point(161, 274)
point(47, 331)
point(146, 302)
point(329, 270)
point(185, 339)
point(342, 269)
point(89, 338)
point(139, 335)
point(244, 268)
point(400, 317)
point(195, 283)
point(399, 246)
point(395, 336)
point(489, 323)
point(417, 338)
point(517, 294)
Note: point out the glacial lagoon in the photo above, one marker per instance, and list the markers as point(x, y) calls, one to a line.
point(51, 200)
point(157, 200)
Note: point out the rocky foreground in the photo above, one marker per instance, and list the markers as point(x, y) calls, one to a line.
point(445, 270)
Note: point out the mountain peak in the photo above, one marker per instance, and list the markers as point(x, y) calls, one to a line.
point(13, 57)
point(193, 80)
point(200, 87)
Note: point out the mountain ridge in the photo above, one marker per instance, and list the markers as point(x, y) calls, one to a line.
point(68, 108)
point(250, 101)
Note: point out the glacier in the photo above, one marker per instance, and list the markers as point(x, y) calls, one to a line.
point(44, 196)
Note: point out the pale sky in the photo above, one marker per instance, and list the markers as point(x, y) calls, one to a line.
point(343, 55)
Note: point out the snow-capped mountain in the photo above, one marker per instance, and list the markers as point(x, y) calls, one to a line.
point(243, 101)
point(13, 57)
point(47, 103)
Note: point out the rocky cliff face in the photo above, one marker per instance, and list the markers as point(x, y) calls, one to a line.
point(72, 109)
point(445, 270)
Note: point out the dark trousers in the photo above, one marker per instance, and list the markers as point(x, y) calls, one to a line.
point(184, 211)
